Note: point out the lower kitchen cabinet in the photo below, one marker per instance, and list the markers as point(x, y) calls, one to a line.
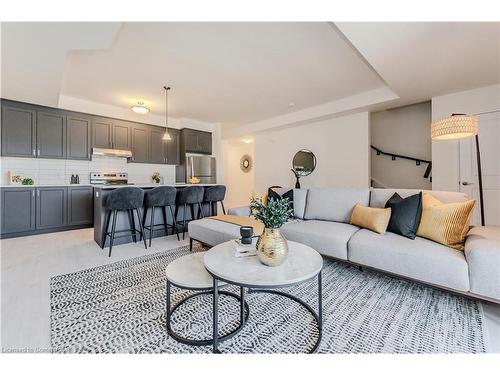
point(80, 205)
point(18, 210)
point(51, 207)
point(27, 211)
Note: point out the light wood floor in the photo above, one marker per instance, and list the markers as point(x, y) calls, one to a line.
point(28, 263)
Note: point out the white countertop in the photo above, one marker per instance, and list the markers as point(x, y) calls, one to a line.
point(106, 187)
point(145, 185)
point(41, 185)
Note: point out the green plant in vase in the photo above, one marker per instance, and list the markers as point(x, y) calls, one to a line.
point(272, 247)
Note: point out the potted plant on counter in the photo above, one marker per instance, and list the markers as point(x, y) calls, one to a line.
point(272, 247)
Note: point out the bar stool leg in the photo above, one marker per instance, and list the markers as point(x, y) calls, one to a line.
point(132, 224)
point(174, 223)
point(191, 207)
point(223, 209)
point(112, 233)
point(164, 213)
point(106, 228)
point(145, 213)
point(142, 227)
point(151, 225)
point(201, 211)
point(184, 221)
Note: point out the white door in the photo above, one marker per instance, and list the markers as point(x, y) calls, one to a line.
point(489, 143)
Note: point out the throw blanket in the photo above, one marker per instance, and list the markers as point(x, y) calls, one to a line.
point(242, 221)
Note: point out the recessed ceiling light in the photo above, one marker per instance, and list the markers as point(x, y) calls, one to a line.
point(247, 140)
point(140, 108)
point(291, 104)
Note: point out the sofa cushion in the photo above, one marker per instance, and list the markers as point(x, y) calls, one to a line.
point(482, 251)
point(418, 259)
point(334, 204)
point(299, 202)
point(378, 197)
point(326, 237)
point(213, 232)
point(405, 214)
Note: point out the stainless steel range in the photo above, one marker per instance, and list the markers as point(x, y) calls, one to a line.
point(109, 178)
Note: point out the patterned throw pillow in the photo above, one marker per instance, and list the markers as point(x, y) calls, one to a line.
point(448, 223)
point(375, 219)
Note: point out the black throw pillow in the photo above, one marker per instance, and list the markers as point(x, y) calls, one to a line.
point(405, 214)
point(274, 195)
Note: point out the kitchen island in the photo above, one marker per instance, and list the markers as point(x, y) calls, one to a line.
point(122, 219)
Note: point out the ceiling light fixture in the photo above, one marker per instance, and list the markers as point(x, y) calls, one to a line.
point(140, 108)
point(166, 136)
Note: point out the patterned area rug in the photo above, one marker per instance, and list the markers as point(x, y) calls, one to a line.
point(119, 308)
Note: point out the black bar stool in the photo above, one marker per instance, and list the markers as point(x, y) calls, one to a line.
point(128, 199)
point(160, 197)
point(215, 194)
point(189, 196)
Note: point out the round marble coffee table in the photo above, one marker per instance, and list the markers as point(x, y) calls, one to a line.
point(303, 264)
point(188, 272)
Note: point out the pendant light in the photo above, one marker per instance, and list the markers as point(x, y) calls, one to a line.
point(166, 136)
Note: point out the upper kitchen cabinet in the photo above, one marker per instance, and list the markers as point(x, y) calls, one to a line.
point(173, 147)
point(102, 130)
point(140, 144)
point(157, 145)
point(121, 135)
point(51, 134)
point(78, 135)
point(197, 141)
point(18, 131)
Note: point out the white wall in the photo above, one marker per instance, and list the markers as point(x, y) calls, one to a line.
point(240, 185)
point(404, 131)
point(445, 155)
point(341, 146)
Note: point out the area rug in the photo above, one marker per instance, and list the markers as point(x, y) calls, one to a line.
point(120, 308)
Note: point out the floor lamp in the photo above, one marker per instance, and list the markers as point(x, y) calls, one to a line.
point(459, 126)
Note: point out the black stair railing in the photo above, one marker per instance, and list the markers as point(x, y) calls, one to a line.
point(417, 161)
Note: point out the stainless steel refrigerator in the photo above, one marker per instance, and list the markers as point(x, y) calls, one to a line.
point(200, 166)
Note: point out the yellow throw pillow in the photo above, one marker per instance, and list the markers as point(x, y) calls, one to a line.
point(447, 223)
point(375, 219)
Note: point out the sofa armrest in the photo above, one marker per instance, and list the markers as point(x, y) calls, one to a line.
point(482, 251)
point(239, 211)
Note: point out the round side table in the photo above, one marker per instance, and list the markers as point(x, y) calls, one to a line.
point(188, 272)
point(303, 264)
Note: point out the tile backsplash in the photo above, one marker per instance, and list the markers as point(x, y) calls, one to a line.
point(53, 171)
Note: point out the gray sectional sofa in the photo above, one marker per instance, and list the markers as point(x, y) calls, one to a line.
point(322, 222)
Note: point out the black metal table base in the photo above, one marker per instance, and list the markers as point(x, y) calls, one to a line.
point(318, 317)
point(244, 312)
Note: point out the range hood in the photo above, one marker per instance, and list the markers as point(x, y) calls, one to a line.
point(112, 152)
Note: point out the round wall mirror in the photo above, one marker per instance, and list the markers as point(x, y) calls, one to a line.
point(304, 162)
point(246, 163)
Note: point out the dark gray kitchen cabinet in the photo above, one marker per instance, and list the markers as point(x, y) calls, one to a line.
point(158, 146)
point(18, 210)
point(205, 143)
point(51, 207)
point(102, 130)
point(121, 135)
point(78, 135)
point(173, 147)
point(18, 131)
point(50, 135)
point(140, 144)
point(197, 141)
point(80, 205)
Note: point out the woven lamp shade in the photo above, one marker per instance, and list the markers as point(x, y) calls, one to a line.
point(454, 127)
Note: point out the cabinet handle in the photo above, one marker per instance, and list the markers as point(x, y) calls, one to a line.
point(38, 152)
point(33, 193)
point(34, 152)
point(37, 193)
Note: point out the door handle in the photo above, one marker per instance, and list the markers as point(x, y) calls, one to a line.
point(465, 183)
